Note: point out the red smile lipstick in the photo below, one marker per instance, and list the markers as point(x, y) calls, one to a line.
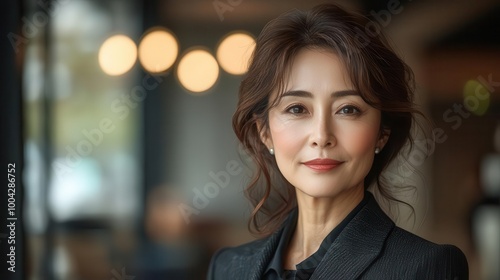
point(322, 164)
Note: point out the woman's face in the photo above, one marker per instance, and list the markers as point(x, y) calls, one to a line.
point(324, 135)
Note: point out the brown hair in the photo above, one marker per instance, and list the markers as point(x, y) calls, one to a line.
point(383, 80)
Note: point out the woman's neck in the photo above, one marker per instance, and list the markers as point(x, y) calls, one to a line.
point(317, 217)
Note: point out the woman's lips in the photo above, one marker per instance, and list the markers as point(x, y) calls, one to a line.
point(322, 164)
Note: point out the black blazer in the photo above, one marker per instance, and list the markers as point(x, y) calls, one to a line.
point(369, 247)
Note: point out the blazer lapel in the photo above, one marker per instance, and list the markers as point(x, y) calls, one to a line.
point(261, 257)
point(261, 254)
point(357, 246)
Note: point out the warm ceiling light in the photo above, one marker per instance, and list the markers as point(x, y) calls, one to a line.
point(234, 52)
point(198, 70)
point(117, 55)
point(158, 51)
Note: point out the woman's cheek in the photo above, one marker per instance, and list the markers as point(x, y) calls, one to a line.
point(287, 135)
point(358, 139)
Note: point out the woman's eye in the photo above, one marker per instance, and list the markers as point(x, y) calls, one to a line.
point(296, 109)
point(349, 110)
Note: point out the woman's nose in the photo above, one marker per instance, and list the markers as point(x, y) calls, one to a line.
point(322, 134)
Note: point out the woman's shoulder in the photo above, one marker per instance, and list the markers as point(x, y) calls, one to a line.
point(243, 250)
point(404, 239)
point(229, 261)
point(425, 257)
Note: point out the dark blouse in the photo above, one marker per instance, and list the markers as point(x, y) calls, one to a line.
point(305, 268)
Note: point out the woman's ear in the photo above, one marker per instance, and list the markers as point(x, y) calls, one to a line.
point(383, 138)
point(264, 135)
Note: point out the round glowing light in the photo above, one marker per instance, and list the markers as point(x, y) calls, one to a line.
point(198, 70)
point(158, 51)
point(476, 97)
point(234, 53)
point(117, 55)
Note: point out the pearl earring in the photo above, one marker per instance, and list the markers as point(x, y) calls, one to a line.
point(377, 150)
point(271, 151)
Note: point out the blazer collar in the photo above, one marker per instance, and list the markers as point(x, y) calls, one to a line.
point(265, 249)
point(357, 246)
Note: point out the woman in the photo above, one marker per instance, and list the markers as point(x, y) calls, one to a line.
point(323, 109)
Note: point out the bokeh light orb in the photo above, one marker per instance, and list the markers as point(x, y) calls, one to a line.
point(234, 52)
point(476, 97)
point(197, 70)
point(158, 50)
point(117, 55)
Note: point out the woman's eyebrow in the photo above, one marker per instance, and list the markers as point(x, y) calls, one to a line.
point(303, 93)
point(343, 93)
point(297, 93)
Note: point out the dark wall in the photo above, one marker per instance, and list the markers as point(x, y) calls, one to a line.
point(11, 49)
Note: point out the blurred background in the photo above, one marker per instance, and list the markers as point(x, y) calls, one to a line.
point(119, 113)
